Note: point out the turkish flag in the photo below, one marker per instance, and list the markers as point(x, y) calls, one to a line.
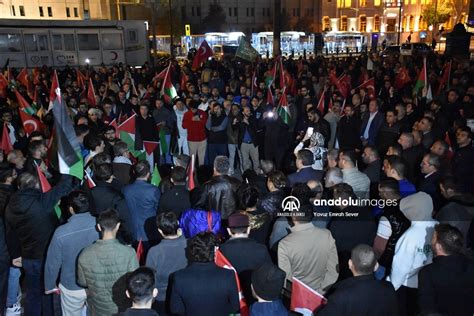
point(140, 251)
point(370, 86)
point(30, 123)
point(190, 174)
point(223, 262)
point(23, 77)
point(402, 78)
point(6, 144)
point(203, 53)
point(304, 299)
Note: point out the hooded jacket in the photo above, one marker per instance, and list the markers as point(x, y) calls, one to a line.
point(413, 249)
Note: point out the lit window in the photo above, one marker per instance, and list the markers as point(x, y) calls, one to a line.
point(377, 3)
point(376, 23)
point(344, 23)
point(362, 23)
point(326, 25)
point(363, 3)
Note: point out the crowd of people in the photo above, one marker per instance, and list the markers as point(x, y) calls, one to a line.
point(239, 139)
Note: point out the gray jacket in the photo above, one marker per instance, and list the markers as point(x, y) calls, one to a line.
point(68, 241)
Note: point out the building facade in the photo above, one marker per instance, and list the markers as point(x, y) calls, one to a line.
point(55, 9)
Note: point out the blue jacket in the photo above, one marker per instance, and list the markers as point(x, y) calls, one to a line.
point(68, 241)
point(192, 222)
point(274, 308)
point(304, 175)
point(142, 199)
point(374, 127)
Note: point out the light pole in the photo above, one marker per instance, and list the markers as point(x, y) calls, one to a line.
point(400, 3)
point(276, 27)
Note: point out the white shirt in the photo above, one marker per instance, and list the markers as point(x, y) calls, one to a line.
point(367, 128)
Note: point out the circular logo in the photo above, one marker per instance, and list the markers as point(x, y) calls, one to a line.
point(290, 204)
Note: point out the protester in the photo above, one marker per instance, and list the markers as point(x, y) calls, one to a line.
point(168, 256)
point(454, 287)
point(67, 242)
point(141, 290)
point(362, 294)
point(101, 268)
point(202, 280)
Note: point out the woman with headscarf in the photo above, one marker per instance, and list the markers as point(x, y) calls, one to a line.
point(316, 146)
point(199, 218)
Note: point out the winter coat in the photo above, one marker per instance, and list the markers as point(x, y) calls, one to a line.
point(101, 268)
point(30, 214)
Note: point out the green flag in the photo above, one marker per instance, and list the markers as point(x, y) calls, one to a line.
point(246, 51)
point(155, 177)
point(163, 143)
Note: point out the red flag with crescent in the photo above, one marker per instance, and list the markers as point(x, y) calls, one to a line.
point(30, 123)
point(370, 86)
point(203, 53)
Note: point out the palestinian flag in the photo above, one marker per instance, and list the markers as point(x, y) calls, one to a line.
point(114, 125)
point(270, 100)
point(167, 89)
point(149, 150)
point(283, 110)
point(421, 82)
point(270, 75)
point(24, 105)
point(127, 133)
point(45, 187)
point(69, 151)
point(155, 177)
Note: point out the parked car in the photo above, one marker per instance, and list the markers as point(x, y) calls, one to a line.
point(392, 50)
point(415, 49)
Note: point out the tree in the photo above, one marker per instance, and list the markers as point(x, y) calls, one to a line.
point(440, 15)
point(304, 24)
point(215, 19)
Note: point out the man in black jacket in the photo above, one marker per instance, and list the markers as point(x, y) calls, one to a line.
point(203, 288)
point(361, 294)
point(348, 128)
point(107, 194)
point(248, 142)
point(463, 158)
point(446, 286)
point(176, 199)
point(221, 188)
point(244, 253)
point(30, 214)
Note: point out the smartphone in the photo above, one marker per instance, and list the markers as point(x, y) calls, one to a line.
point(310, 131)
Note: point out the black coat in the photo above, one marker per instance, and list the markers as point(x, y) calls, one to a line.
point(245, 255)
point(175, 200)
point(462, 167)
point(413, 157)
point(204, 289)
point(348, 133)
point(11, 239)
point(108, 195)
point(251, 127)
point(30, 214)
point(446, 286)
point(430, 185)
point(361, 295)
point(221, 193)
point(348, 232)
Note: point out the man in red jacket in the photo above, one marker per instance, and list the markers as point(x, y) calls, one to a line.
point(195, 122)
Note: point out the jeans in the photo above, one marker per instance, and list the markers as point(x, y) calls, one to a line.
point(216, 150)
point(36, 303)
point(13, 285)
point(233, 149)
